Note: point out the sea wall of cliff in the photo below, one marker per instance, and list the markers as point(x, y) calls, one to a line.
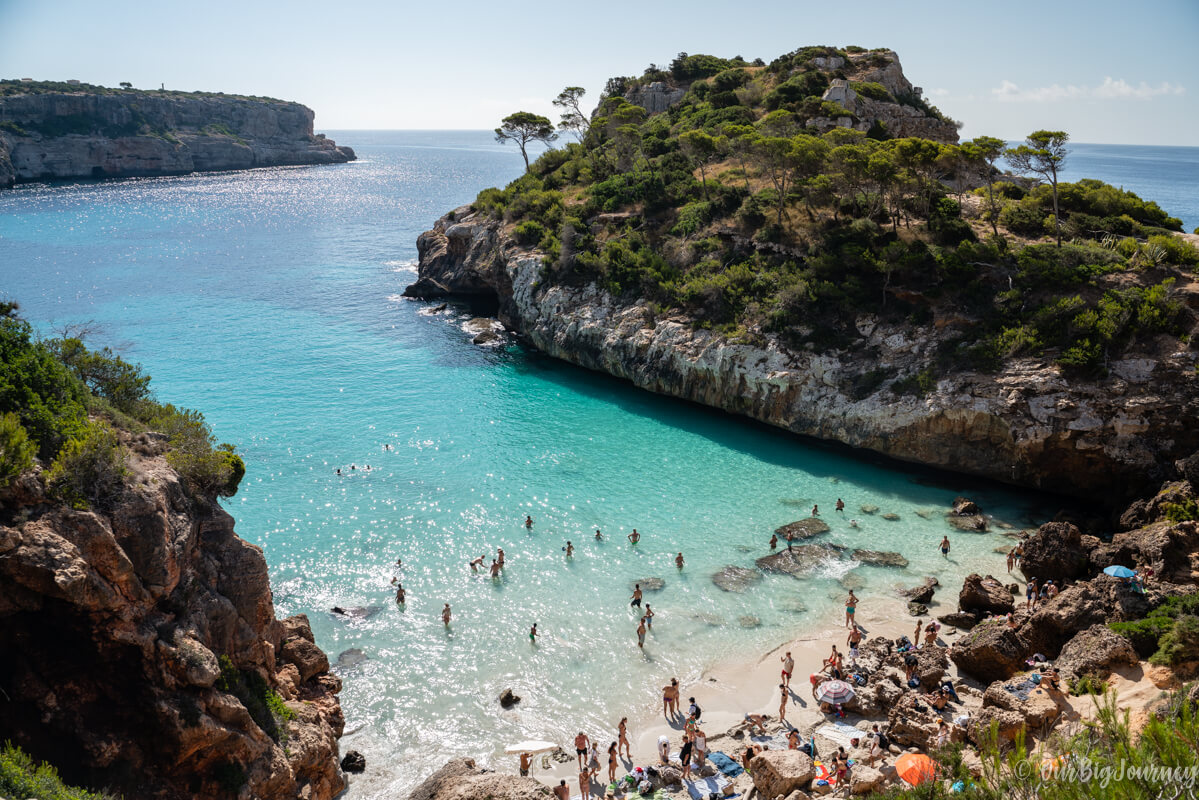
point(1107, 440)
point(62, 135)
point(141, 648)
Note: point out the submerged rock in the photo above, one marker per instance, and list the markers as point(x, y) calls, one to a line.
point(879, 558)
point(964, 507)
point(922, 593)
point(649, 584)
point(749, 621)
point(869, 509)
point(732, 578)
point(351, 658)
point(801, 560)
point(508, 698)
point(358, 613)
point(917, 609)
point(891, 517)
point(969, 524)
point(354, 762)
point(803, 529)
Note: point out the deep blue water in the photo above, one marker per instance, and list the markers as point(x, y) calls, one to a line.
point(270, 300)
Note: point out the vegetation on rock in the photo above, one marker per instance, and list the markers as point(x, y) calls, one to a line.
point(749, 206)
point(20, 777)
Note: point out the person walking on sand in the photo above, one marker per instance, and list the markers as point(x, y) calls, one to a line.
point(584, 785)
point(445, 615)
point(1011, 559)
point(788, 668)
point(678, 561)
point(641, 633)
point(634, 537)
point(782, 703)
point(636, 596)
point(685, 755)
point(593, 765)
point(649, 617)
point(774, 541)
point(623, 738)
point(581, 745)
point(945, 546)
point(613, 754)
point(840, 505)
point(851, 605)
point(670, 698)
point(916, 635)
point(853, 640)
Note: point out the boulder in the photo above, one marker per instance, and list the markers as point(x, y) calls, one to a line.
point(1008, 724)
point(987, 594)
point(917, 609)
point(1081, 605)
point(922, 593)
point(1154, 509)
point(1035, 709)
point(1165, 547)
point(800, 561)
point(873, 653)
point(1055, 552)
point(670, 776)
point(486, 337)
point(778, 773)
point(932, 662)
point(911, 722)
point(864, 779)
point(879, 558)
point(964, 507)
point(354, 762)
point(973, 523)
point(991, 651)
point(1188, 467)
point(959, 619)
point(460, 779)
point(803, 529)
point(508, 698)
point(878, 695)
point(1095, 651)
point(309, 659)
point(736, 579)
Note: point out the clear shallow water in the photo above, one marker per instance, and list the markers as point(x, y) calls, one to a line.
point(269, 299)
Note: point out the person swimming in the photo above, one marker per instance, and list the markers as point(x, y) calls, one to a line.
point(853, 523)
point(599, 537)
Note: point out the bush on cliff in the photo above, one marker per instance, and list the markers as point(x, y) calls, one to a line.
point(21, 778)
point(1169, 634)
point(16, 451)
point(90, 469)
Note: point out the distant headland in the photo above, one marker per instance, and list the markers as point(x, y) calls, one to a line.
point(52, 130)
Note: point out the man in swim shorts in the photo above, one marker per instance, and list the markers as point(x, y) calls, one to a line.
point(634, 537)
point(945, 546)
point(678, 561)
point(533, 633)
point(529, 522)
point(788, 668)
point(636, 595)
point(581, 744)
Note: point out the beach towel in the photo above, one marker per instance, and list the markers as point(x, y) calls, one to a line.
point(1022, 689)
point(725, 764)
point(702, 787)
point(840, 733)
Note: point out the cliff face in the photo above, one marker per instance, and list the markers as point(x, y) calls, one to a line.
point(1027, 425)
point(141, 648)
point(86, 135)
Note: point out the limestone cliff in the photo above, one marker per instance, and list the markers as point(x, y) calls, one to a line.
point(142, 653)
point(1106, 440)
point(105, 133)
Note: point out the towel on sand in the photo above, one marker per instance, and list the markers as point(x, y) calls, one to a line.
point(1022, 689)
point(725, 764)
point(701, 788)
point(840, 733)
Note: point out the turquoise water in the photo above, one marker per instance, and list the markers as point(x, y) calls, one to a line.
point(270, 300)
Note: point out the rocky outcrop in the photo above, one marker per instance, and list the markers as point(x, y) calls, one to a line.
point(732, 578)
point(778, 773)
point(1095, 651)
point(991, 651)
point(655, 97)
point(460, 779)
point(1028, 424)
point(986, 595)
point(86, 134)
point(1056, 552)
point(141, 649)
point(802, 529)
point(800, 560)
point(880, 558)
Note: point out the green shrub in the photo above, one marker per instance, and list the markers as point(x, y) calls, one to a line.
point(209, 468)
point(39, 388)
point(105, 374)
point(529, 232)
point(1087, 684)
point(21, 778)
point(1188, 509)
point(16, 451)
point(1024, 219)
point(1180, 644)
point(90, 469)
point(266, 707)
point(872, 90)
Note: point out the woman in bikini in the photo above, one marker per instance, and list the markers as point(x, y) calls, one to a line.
point(624, 738)
point(612, 753)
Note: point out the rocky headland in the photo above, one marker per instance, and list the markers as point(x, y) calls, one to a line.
point(55, 131)
point(142, 652)
point(1028, 424)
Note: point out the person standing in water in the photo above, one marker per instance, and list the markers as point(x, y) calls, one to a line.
point(533, 634)
point(678, 561)
point(476, 563)
point(623, 730)
point(528, 522)
point(774, 541)
point(599, 537)
point(495, 568)
point(851, 605)
point(945, 546)
point(570, 550)
point(641, 633)
point(649, 617)
point(636, 596)
point(445, 615)
point(400, 594)
point(815, 511)
point(634, 537)
point(840, 505)
point(499, 556)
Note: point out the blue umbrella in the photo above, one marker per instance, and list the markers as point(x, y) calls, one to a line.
point(1119, 572)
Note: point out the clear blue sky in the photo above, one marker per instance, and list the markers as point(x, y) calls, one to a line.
point(1104, 71)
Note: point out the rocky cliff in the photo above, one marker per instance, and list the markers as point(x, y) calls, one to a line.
point(94, 134)
point(1106, 440)
point(142, 653)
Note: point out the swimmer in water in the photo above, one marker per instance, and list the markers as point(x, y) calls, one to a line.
point(634, 537)
point(570, 550)
point(400, 595)
point(678, 561)
point(445, 615)
point(499, 556)
point(495, 568)
point(338, 470)
point(533, 633)
point(840, 504)
point(529, 522)
point(853, 523)
point(476, 563)
point(599, 537)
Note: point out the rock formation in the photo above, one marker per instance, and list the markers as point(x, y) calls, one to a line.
point(460, 779)
point(1112, 437)
point(142, 653)
point(90, 134)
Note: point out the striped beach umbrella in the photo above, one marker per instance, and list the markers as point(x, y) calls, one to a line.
point(834, 692)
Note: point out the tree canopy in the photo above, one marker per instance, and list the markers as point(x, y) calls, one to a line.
point(524, 127)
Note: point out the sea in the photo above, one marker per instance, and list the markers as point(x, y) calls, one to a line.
point(271, 300)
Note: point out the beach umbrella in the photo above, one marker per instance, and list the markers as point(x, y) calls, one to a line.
point(915, 768)
point(1118, 572)
point(834, 692)
point(531, 747)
